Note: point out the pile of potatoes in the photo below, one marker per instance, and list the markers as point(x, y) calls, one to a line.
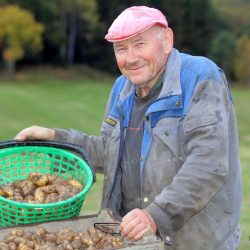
point(67, 239)
point(40, 188)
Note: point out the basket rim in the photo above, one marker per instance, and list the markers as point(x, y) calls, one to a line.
point(52, 204)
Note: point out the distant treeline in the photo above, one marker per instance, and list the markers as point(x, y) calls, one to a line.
point(72, 31)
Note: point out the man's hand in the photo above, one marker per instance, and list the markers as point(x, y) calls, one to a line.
point(136, 224)
point(36, 133)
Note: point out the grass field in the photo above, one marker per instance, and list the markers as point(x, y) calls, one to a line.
point(76, 99)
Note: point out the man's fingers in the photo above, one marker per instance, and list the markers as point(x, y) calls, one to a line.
point(35, 132)
point(145, 231)
point(136, 232)
point(136, 224)
point(131, 227)
point(25, 134)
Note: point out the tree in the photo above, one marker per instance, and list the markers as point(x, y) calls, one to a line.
point(71, 28)
point(221, 51)
point(237, 13)
point(19, 32)
point(242, 60)
point(71, 13)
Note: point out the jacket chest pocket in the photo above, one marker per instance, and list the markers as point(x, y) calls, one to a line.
point(167, 138)
point(164, 154)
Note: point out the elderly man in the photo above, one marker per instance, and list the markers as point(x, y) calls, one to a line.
point(168, 148)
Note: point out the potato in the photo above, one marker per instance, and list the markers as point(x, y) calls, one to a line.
point(38, 179)
point(59, 247)
point(64, 239)
point(1, 192)
point(18, 184)
point(100, 244)
point(60, 189)
point(16, 198)
point(31, 244)
point(75, 183)
point(65, 196)
point(50, 237)
point(53, 197)
point(91, 248)
point(39, 196)
point(8, 191)
point(12, 246)
point(87, 241)
point(4, 246)
point(41, 232)
point(60, 181)
point(76, 243)
point(31, 202)
point(29, 199)
point(42, 181)
point(17, 232)
point(48, 246)
point(18, 240)
point(66, 234)
point(29, 188)
point(30, 236)
point(21, 184)
point(117, 243)
point(49, 189)
point(40, 188)
point(17, 192)
point(66, 245)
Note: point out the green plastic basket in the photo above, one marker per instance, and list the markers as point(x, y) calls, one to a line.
point(18, 159)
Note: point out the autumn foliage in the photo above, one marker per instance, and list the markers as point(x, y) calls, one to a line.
point(19, 32)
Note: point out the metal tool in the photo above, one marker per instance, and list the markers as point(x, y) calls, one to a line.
point(112, 228)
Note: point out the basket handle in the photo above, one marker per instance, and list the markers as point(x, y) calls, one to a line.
point(50, 143)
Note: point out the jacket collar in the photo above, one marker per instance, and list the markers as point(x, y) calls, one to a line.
point(171, 81)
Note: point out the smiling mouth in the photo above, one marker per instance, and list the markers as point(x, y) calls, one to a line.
point(135, 69)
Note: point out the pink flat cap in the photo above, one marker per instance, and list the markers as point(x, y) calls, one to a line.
point(134, 20)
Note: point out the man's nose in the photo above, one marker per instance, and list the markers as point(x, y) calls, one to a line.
point(132, 55)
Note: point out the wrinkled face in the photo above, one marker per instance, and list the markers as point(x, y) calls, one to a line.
point(142, 58)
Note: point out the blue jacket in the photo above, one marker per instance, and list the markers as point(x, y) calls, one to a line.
point(190, 170)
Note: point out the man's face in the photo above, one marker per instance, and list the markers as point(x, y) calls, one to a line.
point(142, 58)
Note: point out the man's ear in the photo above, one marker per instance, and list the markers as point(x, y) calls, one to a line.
point(168, 38)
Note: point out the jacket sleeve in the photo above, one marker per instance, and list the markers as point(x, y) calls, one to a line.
point(205, 146)
point(95, 145)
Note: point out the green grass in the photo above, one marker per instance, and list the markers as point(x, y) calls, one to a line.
point(241, 98)
point(73, 98)
point(76, 98)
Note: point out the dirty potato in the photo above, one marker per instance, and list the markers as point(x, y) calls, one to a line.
point(40, 188)
point(64, 239)
point(1, 192)
point(52, 178)
point(50, 198)
point(38, 179)
point(4, 246)
point(16, 198)
point(17, 232)
point(28, 188)
point(75, 183)
point(39, 196)
point(7, 191)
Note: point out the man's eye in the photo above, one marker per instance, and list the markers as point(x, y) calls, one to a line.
point(119, 50)
point(140, 44)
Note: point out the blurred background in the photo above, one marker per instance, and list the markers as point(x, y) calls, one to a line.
point(69, 32)
point(56, 69)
